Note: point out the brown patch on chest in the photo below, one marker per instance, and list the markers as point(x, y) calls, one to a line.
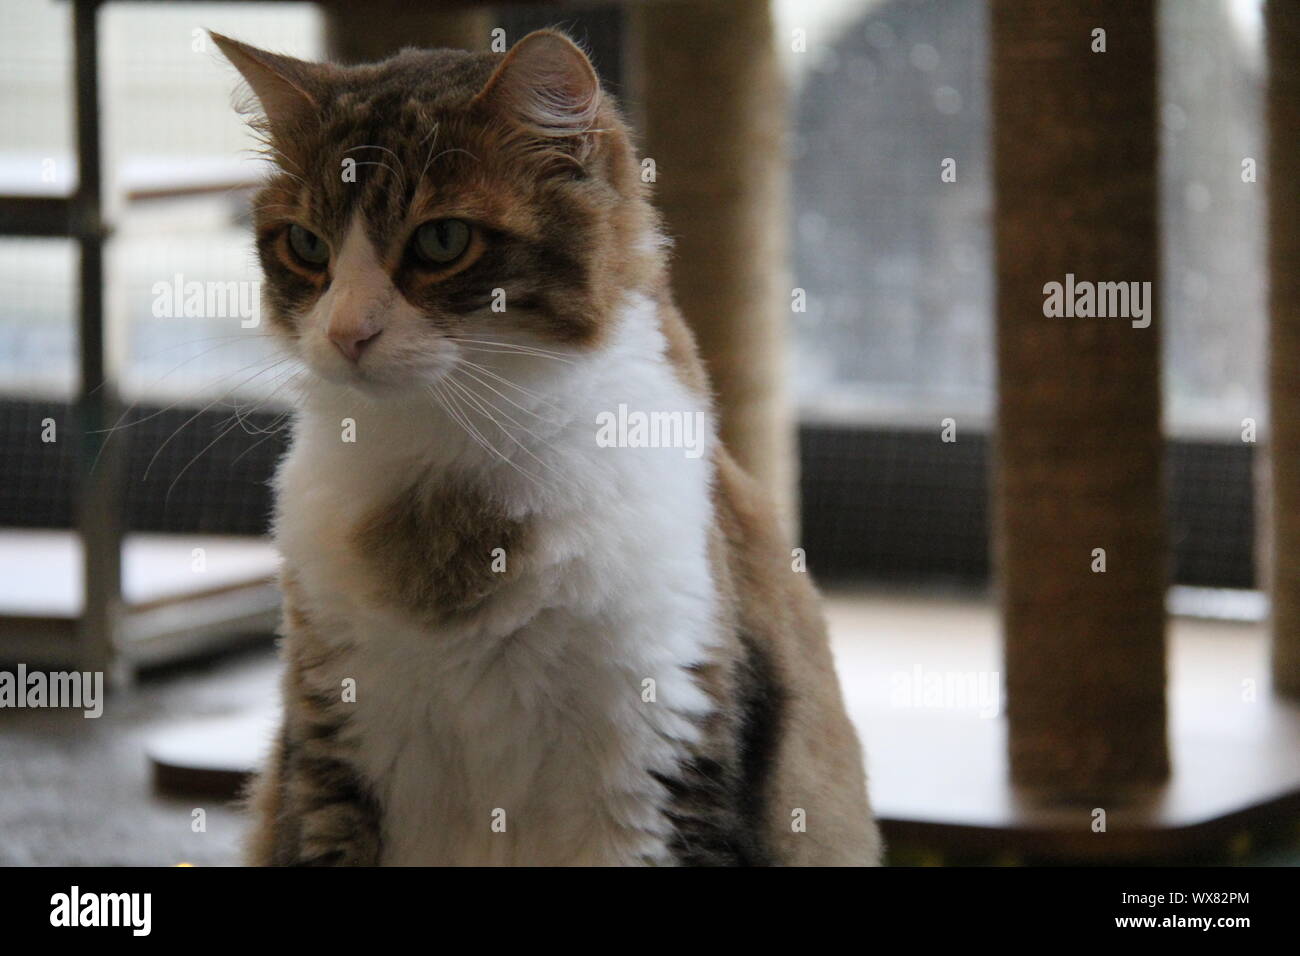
point(434, 553)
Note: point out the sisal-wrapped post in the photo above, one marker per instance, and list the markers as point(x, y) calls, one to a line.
point(1282, 174)
point(366, 32)
point(1078, 483)
point(712, 115)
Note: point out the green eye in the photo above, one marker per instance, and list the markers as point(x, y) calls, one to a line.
point(308, 246)
point(442, 241)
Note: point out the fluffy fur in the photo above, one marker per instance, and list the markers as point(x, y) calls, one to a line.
point(505, 643)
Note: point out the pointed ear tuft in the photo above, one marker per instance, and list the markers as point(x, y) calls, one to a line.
point(546, 85)
point(281, 84)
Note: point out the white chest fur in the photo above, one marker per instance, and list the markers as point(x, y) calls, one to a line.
point(528, 733)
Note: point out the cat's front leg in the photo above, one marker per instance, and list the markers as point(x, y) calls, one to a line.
point(311, 805)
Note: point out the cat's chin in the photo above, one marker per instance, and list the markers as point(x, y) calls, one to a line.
point(377, 384)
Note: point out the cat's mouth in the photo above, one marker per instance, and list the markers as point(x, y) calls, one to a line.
point(383, 372)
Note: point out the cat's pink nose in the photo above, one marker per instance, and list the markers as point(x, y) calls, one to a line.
point(353, 341)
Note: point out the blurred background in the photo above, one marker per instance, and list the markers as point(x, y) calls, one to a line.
point(892, 273)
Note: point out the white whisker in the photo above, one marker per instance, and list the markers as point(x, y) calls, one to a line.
point(528, 411)
point(205, 408)
point(483, 369)
point(479, 402)
point(502, 348)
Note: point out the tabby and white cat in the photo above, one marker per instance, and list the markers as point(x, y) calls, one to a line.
point(506, 642)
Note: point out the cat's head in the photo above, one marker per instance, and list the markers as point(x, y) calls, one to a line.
point(424, 208)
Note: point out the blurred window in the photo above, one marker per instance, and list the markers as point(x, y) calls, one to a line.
point(897, 264)
point(168, 127)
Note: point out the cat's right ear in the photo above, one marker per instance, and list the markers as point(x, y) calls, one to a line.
point(281, 84)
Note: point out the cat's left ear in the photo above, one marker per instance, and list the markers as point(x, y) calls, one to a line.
point(549, 89)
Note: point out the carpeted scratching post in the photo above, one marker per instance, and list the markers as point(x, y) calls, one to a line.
point(707, 82)
point(1282, 174)
point(1079, 451)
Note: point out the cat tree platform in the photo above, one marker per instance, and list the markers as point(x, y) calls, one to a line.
point(938, 767)
point(183, 594)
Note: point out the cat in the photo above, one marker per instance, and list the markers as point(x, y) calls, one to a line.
point(506, 642)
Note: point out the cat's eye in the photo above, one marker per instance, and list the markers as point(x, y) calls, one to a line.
point(442, 241)
point(307, 246)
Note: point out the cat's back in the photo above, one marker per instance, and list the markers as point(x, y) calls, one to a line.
point(800, 754)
